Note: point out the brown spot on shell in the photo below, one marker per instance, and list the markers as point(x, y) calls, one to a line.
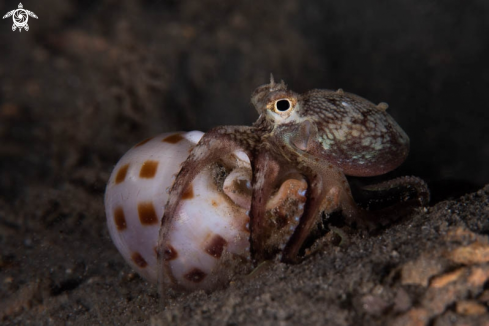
point(148, 169)
point(195, 275)
point(147, 213)
point(139, 260)
point(120, 218)
point(216, 246)
point(169, 253)
point(189, 193)
point(143, 142)
point(173, 139)
point(121, 174)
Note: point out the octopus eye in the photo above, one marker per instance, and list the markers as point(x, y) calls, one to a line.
point(282, 105)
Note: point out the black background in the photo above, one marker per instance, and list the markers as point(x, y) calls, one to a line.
point(91, 78)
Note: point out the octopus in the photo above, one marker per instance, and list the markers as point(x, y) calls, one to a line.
point(193, 211)
point(318, 138)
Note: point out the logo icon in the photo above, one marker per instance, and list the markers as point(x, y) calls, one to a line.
point(20, 17)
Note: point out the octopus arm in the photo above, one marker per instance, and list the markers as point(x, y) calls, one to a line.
point(328, 191)
point(389, 201)
point(265, 177)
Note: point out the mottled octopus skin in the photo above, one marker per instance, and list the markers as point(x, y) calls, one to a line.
point(211, 225)
point(320, 136)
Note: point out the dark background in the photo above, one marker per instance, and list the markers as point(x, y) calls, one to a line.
point(92, 78)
